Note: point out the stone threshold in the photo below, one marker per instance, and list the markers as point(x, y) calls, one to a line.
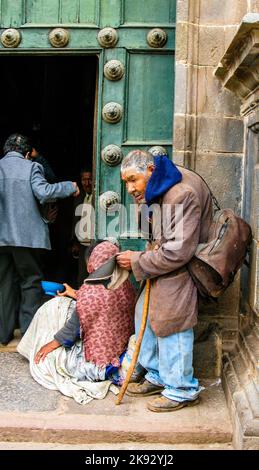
point(101, 421)
point(74, 429)
point(31, 413)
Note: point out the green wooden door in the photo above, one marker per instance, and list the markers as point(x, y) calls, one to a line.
point(145, 95)
point(136, 76)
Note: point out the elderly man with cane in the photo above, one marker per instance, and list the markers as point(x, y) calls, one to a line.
point(167, 347)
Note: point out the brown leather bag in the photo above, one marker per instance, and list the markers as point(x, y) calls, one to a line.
point(216, 262)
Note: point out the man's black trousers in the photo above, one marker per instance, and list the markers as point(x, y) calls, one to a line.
point(20, 288)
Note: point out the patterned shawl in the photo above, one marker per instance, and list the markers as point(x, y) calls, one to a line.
point(106, 316)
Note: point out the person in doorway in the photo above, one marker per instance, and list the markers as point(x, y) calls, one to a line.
point(102, 320)
point(38, 158)
point(23, 233)
point(49, 210)
point(167, 348)
point(82, 232)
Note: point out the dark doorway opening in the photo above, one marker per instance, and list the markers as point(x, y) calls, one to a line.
point(52, 99)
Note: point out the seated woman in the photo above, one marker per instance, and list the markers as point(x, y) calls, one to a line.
point(103, 318)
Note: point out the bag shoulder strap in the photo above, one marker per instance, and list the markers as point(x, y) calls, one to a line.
point(214, 199)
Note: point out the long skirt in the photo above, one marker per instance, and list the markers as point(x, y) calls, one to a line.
point(63, 369)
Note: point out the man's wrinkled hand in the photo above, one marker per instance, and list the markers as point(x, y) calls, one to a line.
point(124, 259)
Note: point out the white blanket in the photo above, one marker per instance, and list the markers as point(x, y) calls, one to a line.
point(62, 369)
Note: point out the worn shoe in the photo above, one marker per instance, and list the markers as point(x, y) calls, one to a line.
point(7, 341)
point(163, 404)
point(143, 389)
point(138, 375)
point(136, 378)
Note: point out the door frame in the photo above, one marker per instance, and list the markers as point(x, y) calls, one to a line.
point(97, 118)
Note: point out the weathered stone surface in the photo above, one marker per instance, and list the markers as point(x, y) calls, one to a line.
point(182, 12)
point(212, 97)
point(250, 443)
point(181, 47)
point(230, 32)
point(188, 11)
point(240, 385)
point(23, 416)
point(211, 45)
point(18, 391)
point(187, 37)
point(225, 306)
point(115, 446)
point(256, 196)
point(223, 173)
point(103, 421)
point(211, 137)
point(257, 284)
point(254, 258)
point(221, 12)
point(178, 157)
point(238, 67)
point(193, 44)
point(186, 89)
point(180, 100)
point(254, 277)
point(220, 134)
point(181, 139)
point(206, 423)
point(253, 6)
point(207, 353)
point(184, 132)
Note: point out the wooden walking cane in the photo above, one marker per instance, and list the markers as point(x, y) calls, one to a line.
point(138, 344)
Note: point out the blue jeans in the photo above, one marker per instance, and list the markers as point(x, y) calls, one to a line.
point(168, 360)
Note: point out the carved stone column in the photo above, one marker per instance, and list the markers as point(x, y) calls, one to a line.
point(239, 72)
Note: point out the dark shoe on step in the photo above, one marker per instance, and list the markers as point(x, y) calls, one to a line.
point(136, 378)
point(138, 375)
point(7, 341)
point(163, 404)
point(143, 389)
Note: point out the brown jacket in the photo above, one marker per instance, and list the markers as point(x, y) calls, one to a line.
point(173, 303)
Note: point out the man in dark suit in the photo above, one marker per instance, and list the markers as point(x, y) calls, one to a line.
point(23, 232)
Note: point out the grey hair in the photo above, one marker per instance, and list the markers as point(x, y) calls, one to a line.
point(137, 159)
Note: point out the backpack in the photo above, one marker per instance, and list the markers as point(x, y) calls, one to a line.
point(215, 263)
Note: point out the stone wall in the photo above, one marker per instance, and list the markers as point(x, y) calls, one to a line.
point(238, 72)
point(208, 128)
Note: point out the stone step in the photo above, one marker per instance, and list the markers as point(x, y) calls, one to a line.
point(31, 413)
point(107, 446)
point(185, 427)
point(249, 346)
point(242, 399)
point(246, 380)
point(256, 328)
